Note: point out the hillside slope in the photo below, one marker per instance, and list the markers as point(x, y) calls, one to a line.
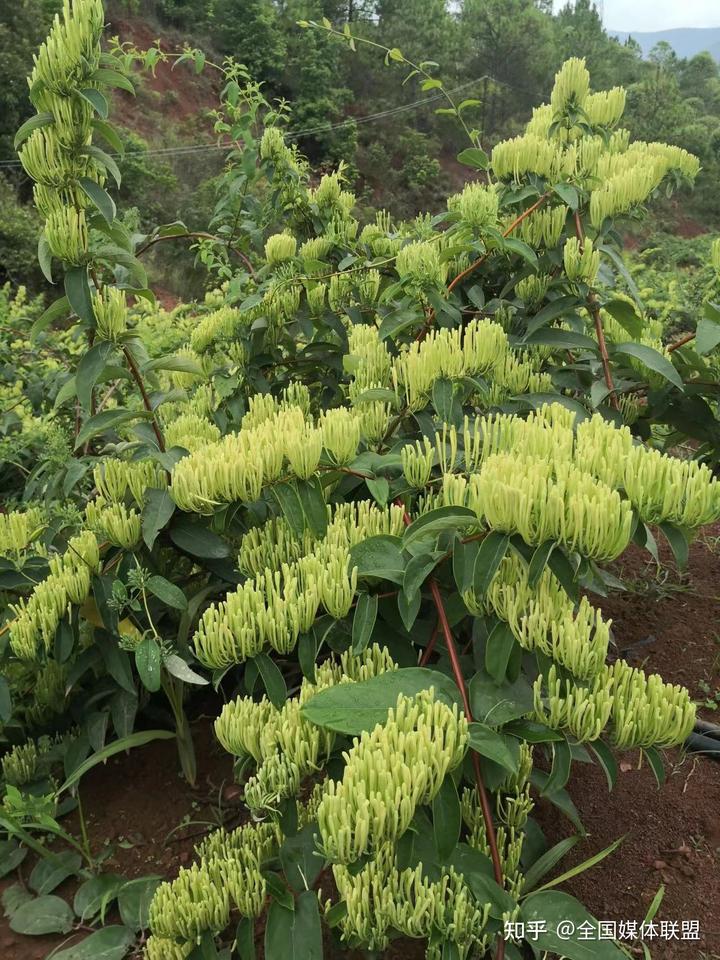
point(685, 42)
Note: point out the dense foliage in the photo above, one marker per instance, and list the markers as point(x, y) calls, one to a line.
point(367, 489)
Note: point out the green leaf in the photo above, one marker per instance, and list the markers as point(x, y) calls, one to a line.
point(549, 909)
point(463, 561)
point(363, 621)
point(96, 100)
point(607, 761)
point(354, 707)
point(474, 157)
point(379, 487)
point(134, 901)
point(498, 650)
point(245, 939)
point(118, 746)
point(447, 818)
point(34, 123)
point(294, 934)
point(679, 543)
point(568, 194)
point(47, 914)
point(11, 856)
point(408, 608)
point(582, 867)
point(273, 680)
point(107, 161)
point(50, 873)
point(108, 132)
point(560, 772)
point(551, 311)
point(5, 701)
point(417, 571)
point(291, 506)
point(539, 562)
point(94, 895)
point(112, 78)
point(45, 257)
point(562, 340)
point(437, 521)
point(77, 290)
point(116, 660)
point(626, 316)
point(708, 329)
point(654, 758)
point(651, 359)
point(89, 368)
point(168, 592)
point(495, 705)
point(314, 505)
point(495, 746)
point(100, 197)
point(158, 509)
point(544, 864)
point(176, 666)
point(107, 420)
point(379, 556)
point(489, 557)
point(148, 660)
point(109, 943)
point(300, 862)
point(197, 540)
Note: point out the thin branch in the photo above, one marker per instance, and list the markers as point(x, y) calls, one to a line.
point(146, 399)
point(199, 235)
point(594, 308)
point(681, 342)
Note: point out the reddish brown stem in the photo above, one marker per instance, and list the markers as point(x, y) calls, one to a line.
point(594, 308)
point(462, 687)
point(146, 399)
point(430, 319)
point(681, 342)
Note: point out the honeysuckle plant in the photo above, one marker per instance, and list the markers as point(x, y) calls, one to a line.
point(369, 494)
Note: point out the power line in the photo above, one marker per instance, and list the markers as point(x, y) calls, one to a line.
point(191, 148)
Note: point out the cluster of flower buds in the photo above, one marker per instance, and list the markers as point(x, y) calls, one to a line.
point(280, 247)
point(543, 618)
point(55, 155)
point(571, 87)
point(661, 488)
point(419, 264)
point(119, 524)
point(315, 250)
point(37, 618)
point(27, 762)
point(227, 878)
point(476, 206)
point(448, 354)
point(513, 806)
point(643, 710)
point(380, 237)
point(517, 374)
point(160, 948)
point(389, 772)
point(519, 156)
point(382, 900)
point(221, 324)
point(544, 227)
point(341, 429)
point(417, 462)
point(715, 255)
point(647, 711)
point(110, 313)
point(368, 360)
point(606, 107)
point(190, 431)
point(581, 260)
point(545, 501)
point(315, 293)
point(115, 478)
point(533, 289)
point(276, 607)
point(19, 529)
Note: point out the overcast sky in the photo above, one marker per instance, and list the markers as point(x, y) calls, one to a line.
point(658, 14)
point(661, 14)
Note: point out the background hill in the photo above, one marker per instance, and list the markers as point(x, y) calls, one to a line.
point(686, 42)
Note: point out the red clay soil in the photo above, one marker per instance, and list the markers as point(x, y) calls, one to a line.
point(672, 835)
